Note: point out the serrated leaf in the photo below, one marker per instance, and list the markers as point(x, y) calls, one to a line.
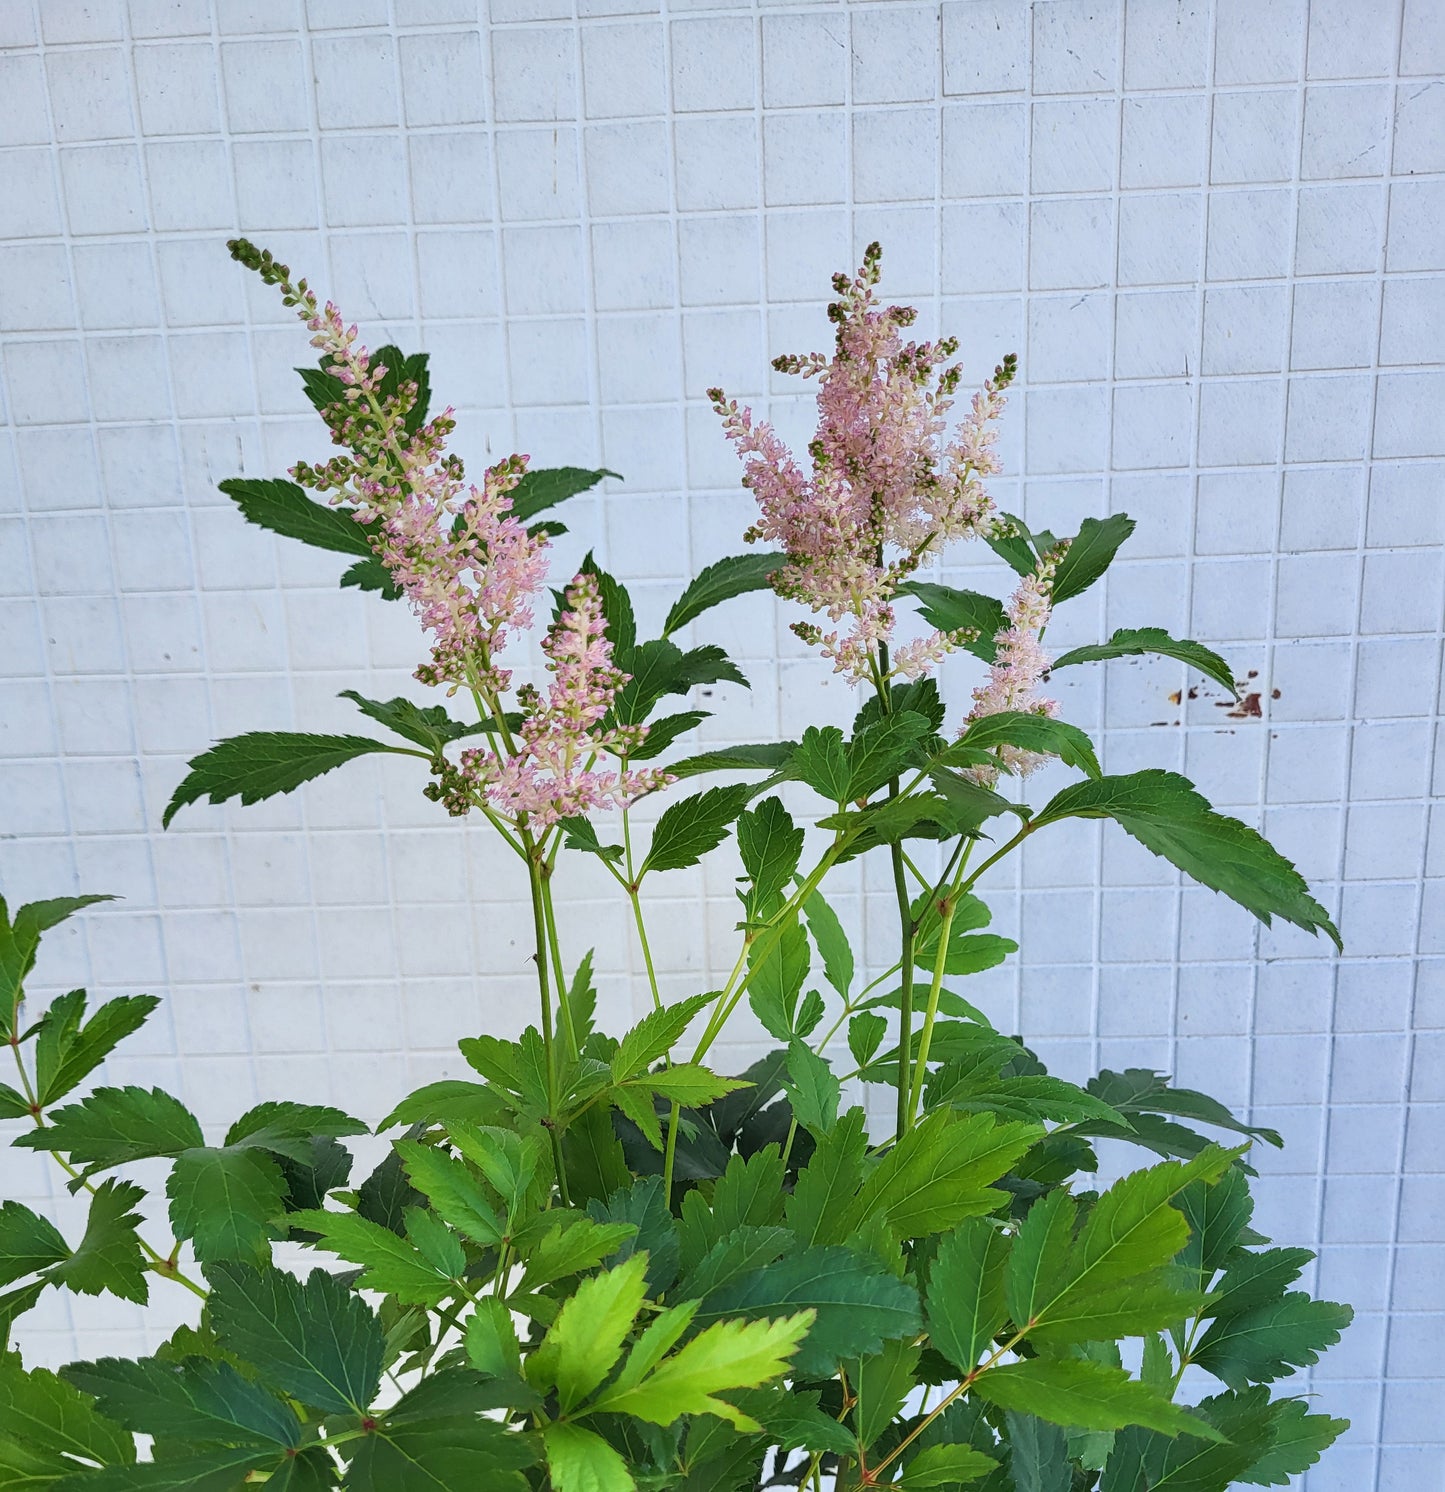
point(579, 1460)
point(1269, 1341)
point(285, 509)
point(314, 1339)
point(721, 581)
point(563, 1251)
point(452, 1190)
point(770, 844)
point(688, 829)
point(371, 574)
point(1033, 732)
point(1130, 641)
point(390, 1264)
point(952, 610)
point(662, 733)
point(859, 1304)
point(866, 1031)
point(793, 1420)
point(688, 1084)
point(828, 1182)
point(812, 1089)
point(965, 1296)
point(549, 485)
point(743, 1249)
point(1038, 1454)
point(27, 1242)
point(428, 726)
point(226, 1202)
point(585, 1340)
point(51, 1417)
point(1300, 1438)
point(264, 763)
point(726, 1355)
point(1088, 1395)
point(945, 1466)
point(220, 1470)
point(654, 1036)
point(413, 1454)
point(1164, 813)
point(882, 1382)
point(831, 942)
point(1010, 541)
point(643, 1204)
point(1090, 553)
point(579, 834)
point(749, 1193)
point(1138, 1090)
point(880, 751)
point(19, 940)
point(67, 1052)
point(289, 1128)
point(115, 1125)
point(767, 756)
point(108, 1257)
point(195, 1400)
point(821, 761)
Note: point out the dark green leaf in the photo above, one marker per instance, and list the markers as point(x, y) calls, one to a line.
point(950, 610)
point(793, 1419)
point(1089, 1395)
point(580, 1460)
point(315, 1339)
point(831, 942)
point(1300, 1438)
point(223, 1470)
point(1038, 1454)
point(1129, 641)
point(1033, 732)
point(54, 1419)
point(66, 1052)
point(965, 1297)
point(227, 1202)
point(866, 1031)
point(687, 830)
point(771, 845)
point(1089, 554)
point(579, 834)
point(880, 751)
point(812, 1089)
point(821, 760)
point(745, 1248)
point(1269, 1341)
point(262, 764)
point(945, 1466)
point(749, 1194)
point(550, 485)
point(768, 756)
point(616, 609)
point(428, 726)
point(285, 509)
point(1138, 1090)
point(371, 574)
point(779, 968)
point(440, 1456)
point(1011, 544)
point(1164, 812)
point(828, 1182)
point(20, 939)
point(27, 1242)
point(662, 733)
point(288, 1128)
point(643, 1205)
point(719, 582)
point(109, 1255)
point(115, 1125)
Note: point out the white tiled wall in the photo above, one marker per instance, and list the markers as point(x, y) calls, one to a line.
point(1213, 229)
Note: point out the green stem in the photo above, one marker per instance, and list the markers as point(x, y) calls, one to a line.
point(930, 1016)
point(632, 885)
point(554, 947)
point(669, 1158)
point(908, 930)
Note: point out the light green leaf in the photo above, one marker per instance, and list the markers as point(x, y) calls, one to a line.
point(688, 1084)
point(721, 581)
point(578, 1460)
point(115, 1125)
point(1165, 814)
point(812, 1089)
point(263, 763)
point(654, 1036)
point(965, 1296)
point(865, 1035)
point(585, 1340)
point(226, 1202)
point(1089, 1395)
point(390, 1265)
point(452, 1189)
point(688, 829)
point(314, 1339)
point(831, 942)
point(945, 1466)
point(1130, 641)
point(492, 1346)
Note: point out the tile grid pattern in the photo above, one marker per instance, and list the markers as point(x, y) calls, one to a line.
point(1213, 231)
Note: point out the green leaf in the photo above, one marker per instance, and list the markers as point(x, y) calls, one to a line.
point(879, 752)
point(778, 972)
point(324, 388)
point(721, 581)
point(643, 1204)
point(314, 1339)
point(579, 1460)
point(662, 733)
point(13, 1103)
point(1088, 1395)
point(654, 1036)
point(1089, 554)
point(1257, 1277)
point(828, 1182)
point(289, 1128)
point(749, 1193)
point(391, 1265)
point(412, 1454)
point(67, 1052)
point(688, 829)
point(586, 1339)
point(563, 1251)
point(452, 1190)
point(1040, 1254)
point(866, 1031)
point(1217, 1215)
point(428, 726)
point(226, 1202)
point(745, 1248)
point(194, 1400)
point(115, 1125)
point(951, 610)
point(688, 1084)
point(550, 485)
point(579, 834)
point(285, 509)
point(771, 845)
point(53, 1419)
point(19, 940)
point(27, 1242)
point(726, 1355)
point(1128, 641)
point(831, 942)
point(1138, 1090)
point(1300, 1438)
point(221, 1470)
point(617, 609)
point(859, 1304)
point(1142, 1461)
point(821, 761)
point(262, 764)
point(939, 1173)
point(1011, 543)
point(945, 1466)
point(1038, 1454)
point(109, 1256)
point(371, 574)
point(965, 1296)
point(1033, 732)
point(492, 1346)
point(812, 1089)
point(768, 756)
point(882, 1383)
point(793, 1421)
point(1271, 1340)
point(1164, 813)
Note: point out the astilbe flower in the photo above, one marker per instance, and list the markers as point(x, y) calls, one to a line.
point(887, 488)
point(1020, 665)
point(552, 773)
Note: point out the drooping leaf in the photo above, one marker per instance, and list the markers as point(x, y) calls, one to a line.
point(285, 509)
point(1164, 812)
point(952, 610)
point(1270, 1340)
point(859, 1304)
point(227, 1202)
point(195, 1400)
point(721, 581)
point(688, 829)
point(1089, 1395)
point(108, 1257)
point(1300, 1438)
point(67, 1051)
point(263, 763)
point(965, 1296)
point(314, 1339)
point(428, 726)
point(1090, 553)
point(1033, 732)
point(288, 1128)
point(1138, 1090)
point(1131, 641)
